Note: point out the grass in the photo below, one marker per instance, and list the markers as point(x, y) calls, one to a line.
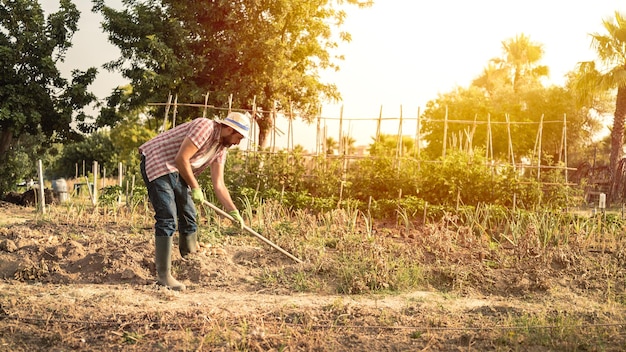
point(346, 251)
point(483, 250)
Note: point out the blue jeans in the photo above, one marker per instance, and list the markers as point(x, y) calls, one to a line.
point(172, 204)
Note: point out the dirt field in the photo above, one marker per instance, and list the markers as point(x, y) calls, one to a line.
point(75, 286)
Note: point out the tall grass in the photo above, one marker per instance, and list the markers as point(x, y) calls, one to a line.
point(347, 250)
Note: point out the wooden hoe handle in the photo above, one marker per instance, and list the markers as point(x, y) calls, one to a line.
point(250, 230)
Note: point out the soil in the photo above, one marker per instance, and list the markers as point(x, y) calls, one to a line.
point(76, 284)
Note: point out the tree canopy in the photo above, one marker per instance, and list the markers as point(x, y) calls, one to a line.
point(263, 54)
point(34, 98)
point(608, 74)
point(508, 103)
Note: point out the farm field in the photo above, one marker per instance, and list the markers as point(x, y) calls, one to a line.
point(83, 279)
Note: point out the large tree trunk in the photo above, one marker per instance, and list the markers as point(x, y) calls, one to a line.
point(265, 123)
point(617, 137)
point(6, 137)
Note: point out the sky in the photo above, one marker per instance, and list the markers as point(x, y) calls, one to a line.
point(403, 54)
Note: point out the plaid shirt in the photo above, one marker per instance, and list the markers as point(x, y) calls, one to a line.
point(161, 151)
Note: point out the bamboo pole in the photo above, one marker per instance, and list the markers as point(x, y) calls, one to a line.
point(324, 140)
point(41, 190)
point(94, 194)
point(318, 133)
point(167, 111)
point(273, 117)
point(380, 118)
point(539, 138)
point(119, 181)
point(489, 138)
point(290, 128)
point(508, 128)
point(399, 151)
point(340, 151)
point(472, 134)
point(132, 187)
point(206, 105)
point(445, 133)
point(565, 144)
point(253, 130)
point(416, 147)
point(175, 111)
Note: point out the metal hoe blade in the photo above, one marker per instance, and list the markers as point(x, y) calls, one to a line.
point(247, 228)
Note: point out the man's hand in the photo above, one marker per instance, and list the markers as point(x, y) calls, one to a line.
point(235, 214)
point(197, 195)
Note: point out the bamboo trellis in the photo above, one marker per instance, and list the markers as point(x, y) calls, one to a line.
point(321, 147)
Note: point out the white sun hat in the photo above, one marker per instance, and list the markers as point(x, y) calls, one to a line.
point(239, 122)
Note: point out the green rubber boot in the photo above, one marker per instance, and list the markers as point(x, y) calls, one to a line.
point(187, 244)
point(163, 261)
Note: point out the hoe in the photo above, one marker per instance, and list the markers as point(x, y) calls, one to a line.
point(245, 227)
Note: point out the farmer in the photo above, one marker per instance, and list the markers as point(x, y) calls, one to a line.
point(169, 165)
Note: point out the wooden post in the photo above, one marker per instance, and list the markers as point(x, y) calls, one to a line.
point(104, 177)
point(340, 151)
point(119, 181)
point(76, 174)
point(175, 111)
point(416, 148)
point(290, 128)
point(324, 137)
point(399, 151)
point(380, 117)
point(253, 132)
point(273, 117)
point(538, 146)
point(42, 197)
point(508, 128)
point(399, 146)
point(471, 135)
point(206, 104)
point(565, 144)
point(94, 195)
point(167, 111)
point(132, 187)
point(318, 135)
point(445, 133)
point(489, 138)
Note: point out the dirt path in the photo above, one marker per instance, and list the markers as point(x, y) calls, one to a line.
point(91, 287)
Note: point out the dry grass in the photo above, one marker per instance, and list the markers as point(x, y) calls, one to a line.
point(525, 282)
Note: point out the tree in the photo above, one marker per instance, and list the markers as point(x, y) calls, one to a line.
point(510, 87)
point(518, 67)
point(36, 103)
point(263, 54)
point(34, 98)
point(610, 74)
point(347, 145)
point(331, 145)
point(472, 115)
point(387, 145)
point(128, 136)
point(98, 146)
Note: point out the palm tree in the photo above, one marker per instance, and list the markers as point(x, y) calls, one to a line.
point(517, 67)
point(347, 144)
point(331, 145)
point(522, 57)
point(611, 51)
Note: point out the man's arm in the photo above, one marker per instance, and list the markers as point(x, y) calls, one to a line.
point(221, 192)
point(186, 151)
